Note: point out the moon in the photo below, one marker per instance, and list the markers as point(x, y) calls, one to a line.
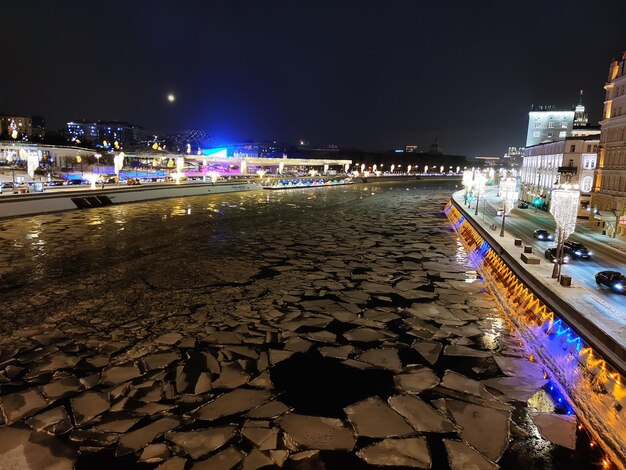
point(171, 98)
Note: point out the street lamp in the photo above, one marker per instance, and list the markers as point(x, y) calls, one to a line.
point(508, 193)
point(468, 178)
point(479, 186)
point(564, 209)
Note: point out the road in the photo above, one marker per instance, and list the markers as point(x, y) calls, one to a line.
point(521, 223)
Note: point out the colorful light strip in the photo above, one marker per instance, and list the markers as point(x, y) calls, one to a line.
point(594, 389)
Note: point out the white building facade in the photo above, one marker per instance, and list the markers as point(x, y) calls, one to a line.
point(609, 196)
point(548, 126)
point(546, 164)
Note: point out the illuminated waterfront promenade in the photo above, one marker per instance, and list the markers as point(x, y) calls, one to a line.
point(583, 357)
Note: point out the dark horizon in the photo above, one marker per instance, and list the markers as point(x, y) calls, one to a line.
point(356, 74)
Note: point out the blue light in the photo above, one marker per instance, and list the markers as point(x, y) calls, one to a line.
point(215, 153)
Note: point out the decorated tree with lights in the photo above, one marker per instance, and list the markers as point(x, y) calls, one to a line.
point(564, 209)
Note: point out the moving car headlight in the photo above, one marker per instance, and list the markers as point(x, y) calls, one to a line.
point(618, 286)
point(578, 253)
point(589, 253)
point(540, 237)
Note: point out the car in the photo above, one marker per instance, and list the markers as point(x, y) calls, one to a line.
point(543, 235)
point(522, 205)
point(550, 255)
point(614, 280)
point(577, 250)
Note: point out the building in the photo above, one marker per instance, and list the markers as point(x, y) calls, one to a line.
point(487, 161)
point(572, 159)
point(547, 124)
point(22, 127)
point(435, 148)
point(609, 197)
point(513, 157)
point(96, 133)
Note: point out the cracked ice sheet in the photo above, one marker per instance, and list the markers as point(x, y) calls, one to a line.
point(421, 416)
point(517, 388)
point(30, 450)
point(372, 417)
point(200, 443)
point(558, 429)
point(412, 452)
point(463, 457)
point(313, 432)
point(476, 422)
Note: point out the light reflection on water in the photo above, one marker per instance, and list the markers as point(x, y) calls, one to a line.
point(39, 246)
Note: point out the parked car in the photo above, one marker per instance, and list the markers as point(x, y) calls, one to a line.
point(543, 235)
point(522, 205)
point(614, 280)
point(577, 250)
point(550, 255)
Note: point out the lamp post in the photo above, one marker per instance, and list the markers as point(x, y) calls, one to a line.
point(508, 193)
point(468, 177)
point(564, 209)
point(479, 185)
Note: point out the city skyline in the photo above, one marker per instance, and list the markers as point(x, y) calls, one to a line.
point(373, 77)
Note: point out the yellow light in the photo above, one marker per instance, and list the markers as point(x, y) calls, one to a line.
point(78, 159)
point(171, 98)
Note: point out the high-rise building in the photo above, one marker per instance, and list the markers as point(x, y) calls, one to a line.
point(609, 196)
point(97, 132)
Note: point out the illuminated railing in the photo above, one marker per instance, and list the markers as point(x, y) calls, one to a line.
point(305, 183)
point(592, 386)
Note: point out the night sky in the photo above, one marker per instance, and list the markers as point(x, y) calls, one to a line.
point(368, 74)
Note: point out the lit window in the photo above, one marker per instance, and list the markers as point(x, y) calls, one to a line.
point(563, 125)
point(562, 134)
